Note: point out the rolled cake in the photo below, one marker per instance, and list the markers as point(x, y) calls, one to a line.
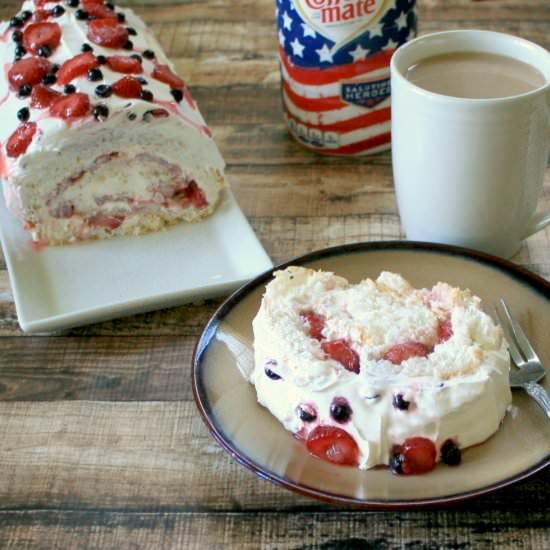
point(99, 136)
point(379, 372)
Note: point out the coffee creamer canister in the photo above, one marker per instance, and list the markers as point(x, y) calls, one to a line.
point(334, 58)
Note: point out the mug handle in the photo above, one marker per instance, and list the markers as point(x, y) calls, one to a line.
point(540, 219)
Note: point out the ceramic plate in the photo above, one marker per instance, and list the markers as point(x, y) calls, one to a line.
point(252, 436)
point(65, 286)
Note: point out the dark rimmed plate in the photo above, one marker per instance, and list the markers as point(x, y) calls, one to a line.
point(255, 439)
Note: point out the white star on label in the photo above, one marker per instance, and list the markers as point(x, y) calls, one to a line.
point(358, 53)
point(324, 54)
point(375, 31)
point(392, 45)
point(401, 21)
point(297, 48)
point(281, 38)
point(411, 34)
point(308, 31)
point(287, 21)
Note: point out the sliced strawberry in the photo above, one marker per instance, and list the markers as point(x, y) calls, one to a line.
point(19, 141)
point(444, 330)
point(127, 87)
point(71, 106)
point(334, 445)
point(194, 193)
point(166, 75)
point(97, 10)
point(401, 352)
point(341, 351)
point(108, 33)
point(105, 221)
point(30, 70)
point(40, 15)
point(316, 323)
point(77, 66)
point(416, 455)
point(41, 34)
point(43, 96)
point(124, 64)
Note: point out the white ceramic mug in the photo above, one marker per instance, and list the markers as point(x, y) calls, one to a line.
point(470, 171)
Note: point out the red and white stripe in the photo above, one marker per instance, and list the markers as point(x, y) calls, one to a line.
point(312, 102)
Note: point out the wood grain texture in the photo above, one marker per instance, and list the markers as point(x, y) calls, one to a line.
point(101, 445)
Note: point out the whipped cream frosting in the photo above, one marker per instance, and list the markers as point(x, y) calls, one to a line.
point(178, 141)
point(459, 391)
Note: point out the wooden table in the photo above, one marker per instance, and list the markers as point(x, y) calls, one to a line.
point(101, 445)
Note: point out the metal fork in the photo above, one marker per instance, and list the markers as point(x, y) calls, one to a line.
point(530, 369)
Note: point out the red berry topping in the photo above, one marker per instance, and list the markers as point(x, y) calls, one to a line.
point(107, 222)
point(444, 330)
point(40, 15)
point(97, 10)
point(401, 352)
point(127, 87)
point(108, 33)
point(415, 456)
point(20, 140)
point(124, 64)
point(334, 445)
point(194, 193)
point(43, 96)
point(341, 351)
point(71, 106)
point(316, 323)
point(166, 75)
point(28, 71)
point(41, 34)
point(79, 65)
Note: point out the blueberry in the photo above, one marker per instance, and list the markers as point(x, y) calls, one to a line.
point(58, 11)
point(101, 59)
point(131, 31)
point(270, 374)
point(20, 52)
point(15, 22)
point(177, 94)
point(25, 90)
point(72, 3)
point(149, 54)
point(49, 79)
point(17, 36)
point(121, 17)
point(25, 15)
point(340, 410)
point(399, 402)
point(396, 463)
point(129, 45)
point(306, 413)
point(104, 90)
point(94, 75)
point(101, 112)
point(69, 89)
point(55, 68)
point(132, 116)
point(450, 453)
point(44, 51)
point(146, 95)
point(81, 14)
point(23, 114)
point(137, 57)
point(86, 48)
point(110, 5)
point(142, 80)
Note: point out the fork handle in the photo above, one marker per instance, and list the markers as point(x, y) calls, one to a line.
point(538, 393)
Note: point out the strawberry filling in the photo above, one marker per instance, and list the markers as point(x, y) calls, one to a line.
point(341, 351)
point(401, 352)
point(315, 322)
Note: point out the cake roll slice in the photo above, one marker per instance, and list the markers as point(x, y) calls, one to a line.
point(99, 136)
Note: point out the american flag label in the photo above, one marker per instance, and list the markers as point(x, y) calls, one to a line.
point(334, 58)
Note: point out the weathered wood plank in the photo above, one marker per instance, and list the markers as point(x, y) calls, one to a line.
point(72, 455)
point(344, 530)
